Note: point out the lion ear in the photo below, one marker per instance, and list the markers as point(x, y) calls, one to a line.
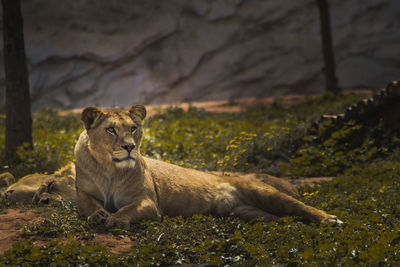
point(90, 115)
point(139, 111)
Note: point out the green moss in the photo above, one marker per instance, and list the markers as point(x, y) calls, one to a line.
point(331, 150)
point(25, 253)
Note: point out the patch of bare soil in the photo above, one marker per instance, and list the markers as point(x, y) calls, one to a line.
point(11, 222)
point(236, 105)
point(114, 244)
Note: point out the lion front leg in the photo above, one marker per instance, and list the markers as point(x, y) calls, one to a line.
point(91, 208)
point(138, 210)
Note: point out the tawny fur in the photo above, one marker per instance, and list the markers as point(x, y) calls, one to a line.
point(116, 186)
point(44, 188)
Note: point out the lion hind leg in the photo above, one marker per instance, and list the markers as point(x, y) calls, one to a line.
point(284, 205)
point(248, 213)
point(272, 201)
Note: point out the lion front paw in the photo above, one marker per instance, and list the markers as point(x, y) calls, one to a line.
point(122, 222)
point(100, 216)
point(44, 194)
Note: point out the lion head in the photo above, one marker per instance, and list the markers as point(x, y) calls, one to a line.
point(115, 135)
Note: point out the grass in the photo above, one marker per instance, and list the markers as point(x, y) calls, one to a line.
point(276, 140)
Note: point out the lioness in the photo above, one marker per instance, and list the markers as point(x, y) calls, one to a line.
point(117, 186)
point(43, 188)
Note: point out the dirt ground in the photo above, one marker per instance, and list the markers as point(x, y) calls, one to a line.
point(13, 220)
point(235, 105)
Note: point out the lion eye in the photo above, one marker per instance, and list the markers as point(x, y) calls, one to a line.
point(133, 129)
point(111, 130)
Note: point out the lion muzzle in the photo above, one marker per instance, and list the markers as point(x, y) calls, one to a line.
point(124, 158)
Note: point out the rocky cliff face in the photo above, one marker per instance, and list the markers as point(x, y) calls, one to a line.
point(123, 52)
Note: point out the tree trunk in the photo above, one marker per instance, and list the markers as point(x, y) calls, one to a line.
point(18, 106)
point(327, 47)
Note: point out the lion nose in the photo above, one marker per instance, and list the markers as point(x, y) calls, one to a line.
point(129, 147)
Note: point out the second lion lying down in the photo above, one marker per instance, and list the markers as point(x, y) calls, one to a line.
point(117, 186)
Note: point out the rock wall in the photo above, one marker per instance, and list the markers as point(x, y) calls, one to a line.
point(116, 53)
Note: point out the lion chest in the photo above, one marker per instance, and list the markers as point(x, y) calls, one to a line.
point(114, 200)
point(115, 195)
